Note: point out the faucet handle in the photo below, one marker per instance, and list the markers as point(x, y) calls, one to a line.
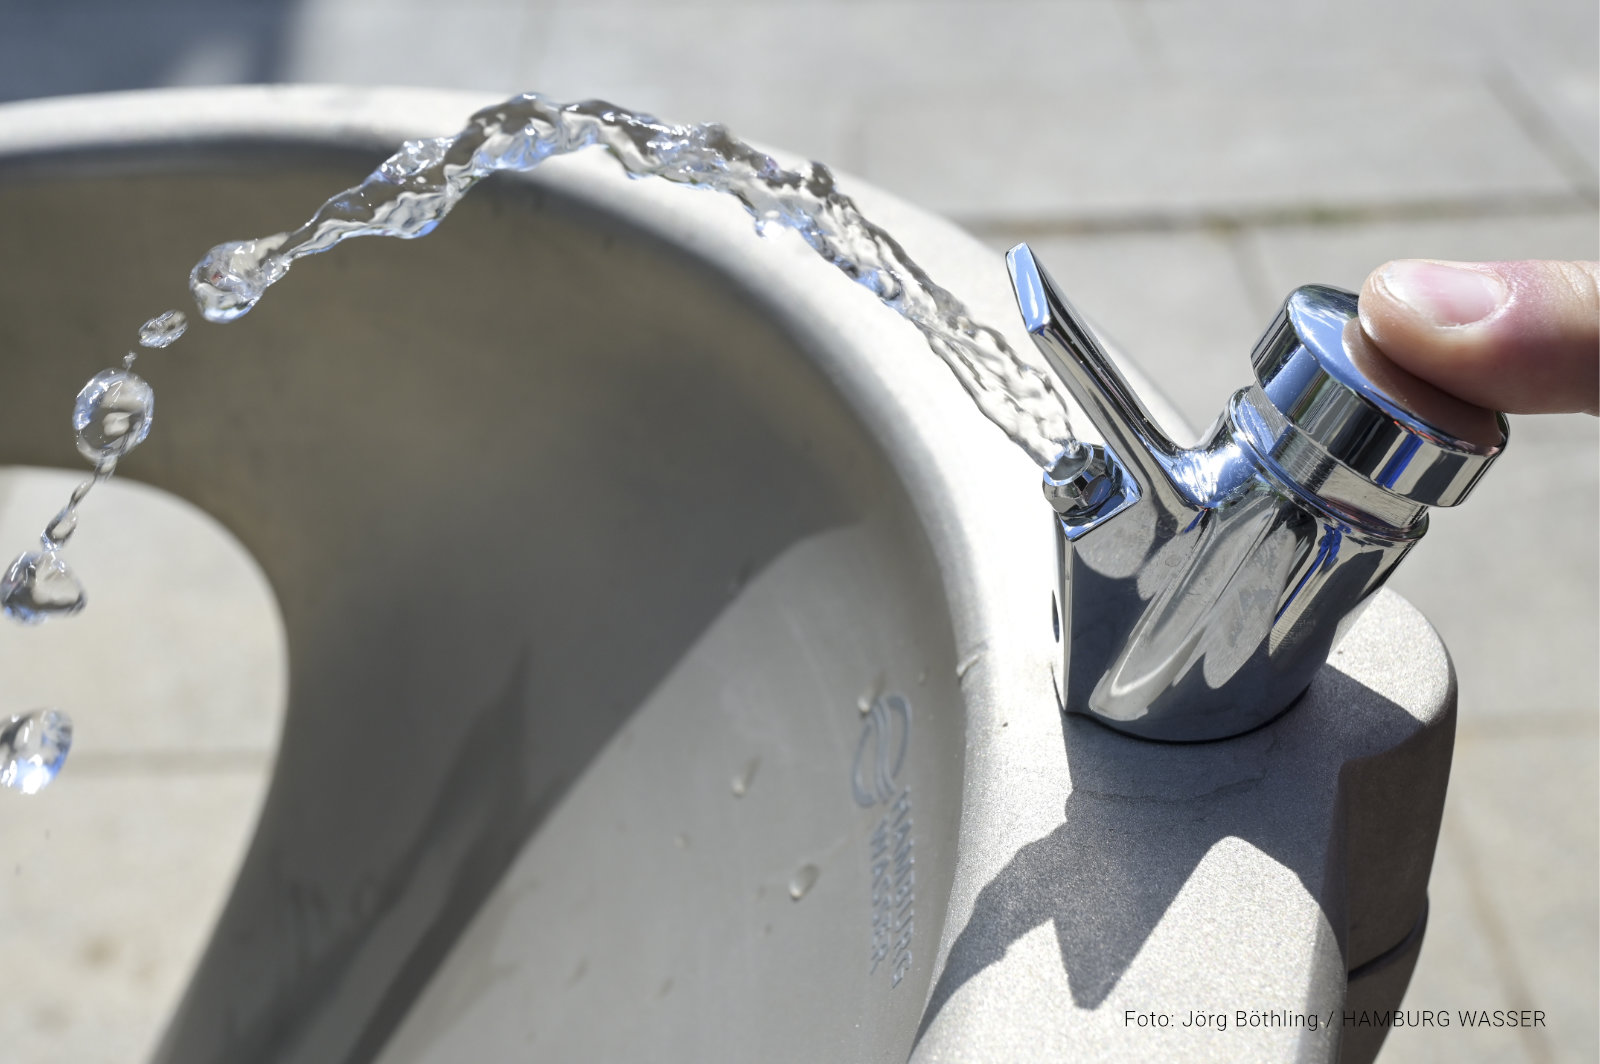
point(1344, 422)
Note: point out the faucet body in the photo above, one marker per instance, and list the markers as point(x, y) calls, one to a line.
point(1204, 586)
point(1204, 608)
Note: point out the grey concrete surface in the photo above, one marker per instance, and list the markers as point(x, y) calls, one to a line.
point(1178, 165)
point(175, 681)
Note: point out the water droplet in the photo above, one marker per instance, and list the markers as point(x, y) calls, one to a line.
point(803, 881)
point(681, 841)
point(112, 415)
point(870, 695)
point(232, 277)
point(163, 330)
point(39, 586)
point(33, 747)
point(741, 782)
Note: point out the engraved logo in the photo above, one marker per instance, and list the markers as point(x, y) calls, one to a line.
point(874, 780)
point(881, 750)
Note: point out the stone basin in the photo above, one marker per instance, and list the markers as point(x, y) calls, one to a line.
point(669, 641)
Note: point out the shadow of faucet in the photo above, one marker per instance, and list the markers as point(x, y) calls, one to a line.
point(1142, 816)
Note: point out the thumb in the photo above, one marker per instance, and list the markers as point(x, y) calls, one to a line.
point(1523, 337)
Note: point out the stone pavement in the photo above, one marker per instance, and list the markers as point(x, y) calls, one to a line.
point(1179, 165)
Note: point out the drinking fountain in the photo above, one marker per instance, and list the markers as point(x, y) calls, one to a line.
point(678, 659)
point(1205, 586)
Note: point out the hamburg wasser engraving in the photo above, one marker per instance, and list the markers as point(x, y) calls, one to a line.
point(876, 784)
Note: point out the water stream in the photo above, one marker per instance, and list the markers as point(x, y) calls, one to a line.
point(407, 196)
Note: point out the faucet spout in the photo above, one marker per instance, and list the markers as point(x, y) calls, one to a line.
point(1091, 377)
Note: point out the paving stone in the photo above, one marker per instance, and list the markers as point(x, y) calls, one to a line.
point(110, 884)
point(1509, 579)
point(1456, 970)
point(1137, 146)
point(1345, 254)
point(353, 42)
point(1526, 799)
point(1539, 57)
point(817, 51)
point(1256, 39)
point(56, 49)
point(801, 75)
point(1548, 33)
point(1564, 101)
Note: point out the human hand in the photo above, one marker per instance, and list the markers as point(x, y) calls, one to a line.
point(1522, 337)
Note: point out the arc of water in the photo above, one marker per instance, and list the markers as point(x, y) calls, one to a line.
point(412, 191)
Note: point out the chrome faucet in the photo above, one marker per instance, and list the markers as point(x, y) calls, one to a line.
point(1202, 587)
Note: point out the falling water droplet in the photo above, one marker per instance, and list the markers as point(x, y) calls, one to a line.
point(741, 782)
point(39, 586)
point(163, 330)
point(232, 277)
point(803, 881)
point(33, 747)
point(112, 415)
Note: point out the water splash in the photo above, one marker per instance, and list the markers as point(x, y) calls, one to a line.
point(112, 415)
point(163, 330)
point(38, 586)
point(414, 189)
point(406, 197)
point(33, 748)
